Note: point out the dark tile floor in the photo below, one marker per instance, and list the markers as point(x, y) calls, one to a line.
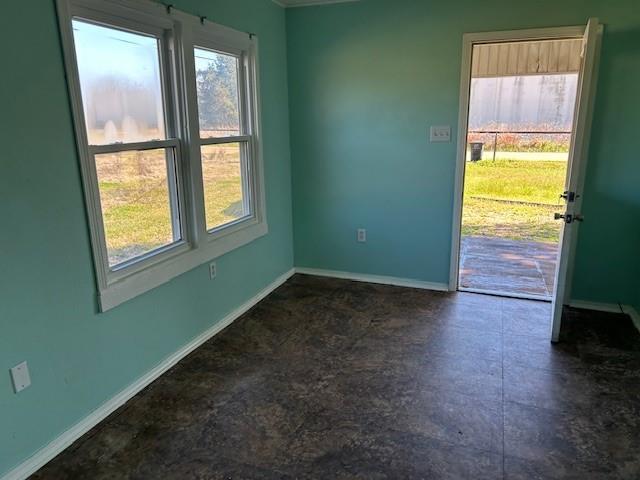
point(508, 266)
point(333, 379)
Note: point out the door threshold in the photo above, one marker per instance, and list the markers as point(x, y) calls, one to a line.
point(495, 293)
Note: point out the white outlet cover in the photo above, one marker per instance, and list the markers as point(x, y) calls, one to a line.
point(440, 133)
point(213, 270)
point(362, 235)
point(20, 376)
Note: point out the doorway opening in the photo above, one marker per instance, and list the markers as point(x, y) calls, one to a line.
point(545, 55)
point(521, 109)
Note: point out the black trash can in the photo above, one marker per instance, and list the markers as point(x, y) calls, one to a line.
point(476, 151)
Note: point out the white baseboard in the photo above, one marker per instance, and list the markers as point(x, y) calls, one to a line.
point(47, 453)
point(600, 307)
point(382, 279)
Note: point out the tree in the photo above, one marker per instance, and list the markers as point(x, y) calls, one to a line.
point(218, 94)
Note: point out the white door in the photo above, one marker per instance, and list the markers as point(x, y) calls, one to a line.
point(575, 174)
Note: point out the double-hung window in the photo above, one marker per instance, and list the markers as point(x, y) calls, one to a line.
point(222, 136)
point(131, 139)
point(166, 115)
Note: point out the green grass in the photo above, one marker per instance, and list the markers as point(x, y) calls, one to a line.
point(135, 199)
point(513, 199)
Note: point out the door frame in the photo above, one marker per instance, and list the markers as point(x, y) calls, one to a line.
point(468, 41)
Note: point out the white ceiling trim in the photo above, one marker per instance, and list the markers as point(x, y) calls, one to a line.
point(308, 3)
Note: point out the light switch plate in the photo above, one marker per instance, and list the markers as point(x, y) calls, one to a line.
point(20, 377)
point(440, 133)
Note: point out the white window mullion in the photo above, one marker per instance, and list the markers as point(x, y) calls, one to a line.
point(192, 132)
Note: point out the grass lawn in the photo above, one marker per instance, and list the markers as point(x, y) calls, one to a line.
point(513, 199)
point(134, 196)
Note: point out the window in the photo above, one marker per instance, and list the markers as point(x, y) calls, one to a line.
point(166, 115)
point(223, 137)
point(126, 129)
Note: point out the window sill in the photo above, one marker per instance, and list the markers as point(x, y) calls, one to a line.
point(166, 269)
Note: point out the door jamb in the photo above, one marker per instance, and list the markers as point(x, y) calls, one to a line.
point(468, 40)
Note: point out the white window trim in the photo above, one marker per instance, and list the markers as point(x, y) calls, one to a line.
point(198, 246)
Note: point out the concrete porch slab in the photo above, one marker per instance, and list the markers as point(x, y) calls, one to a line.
point(508, 266)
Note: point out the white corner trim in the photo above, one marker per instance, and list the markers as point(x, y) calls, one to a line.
point(56, 446)
point(381, 279)
point(633, 313)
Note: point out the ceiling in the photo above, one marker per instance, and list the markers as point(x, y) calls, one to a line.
point(308, 3)
point(526, 58)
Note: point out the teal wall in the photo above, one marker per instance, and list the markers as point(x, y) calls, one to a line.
point(367, 79)
point(365, 82)
point(78, 358)
point(608, 256)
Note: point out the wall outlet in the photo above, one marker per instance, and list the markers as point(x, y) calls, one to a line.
point(362, 235)
point(440, 133)
point(213, 270)
point(20, 376)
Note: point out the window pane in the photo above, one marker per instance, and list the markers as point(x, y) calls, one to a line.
point(217, 85)
point(120, 83)
point(136, 202)
point(222, 179)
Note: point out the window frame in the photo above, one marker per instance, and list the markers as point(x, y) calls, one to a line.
point(213, 41)
point(178, 33)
